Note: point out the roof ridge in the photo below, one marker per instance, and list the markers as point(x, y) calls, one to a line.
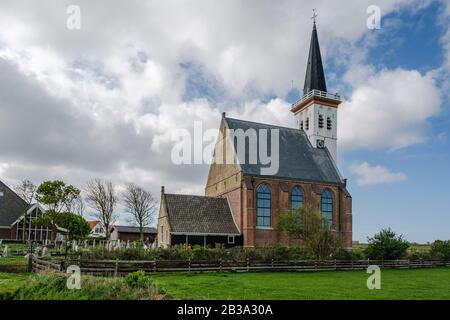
point(191, 195)
point(265, 124)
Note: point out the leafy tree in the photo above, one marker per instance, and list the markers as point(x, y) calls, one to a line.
point(440, 250)
point(386, 245)
point(57, 195)
point(77, 227)
point(308, 226)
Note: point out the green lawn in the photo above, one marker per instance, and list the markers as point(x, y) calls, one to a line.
point(395, 284)
point(9, 282)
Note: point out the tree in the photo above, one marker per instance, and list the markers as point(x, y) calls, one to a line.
point(78, 206)
point(27, 191)
point(57, 195)
point(77, 227)
point(101, 196)
point(440, 250)
point(311, 229)
point(140, 204)
point(386, 245)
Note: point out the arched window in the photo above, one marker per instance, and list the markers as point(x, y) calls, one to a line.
point(296, 198)
point(301, 125)
point(263, 206)
point(320, 121)
point(307, 124)
point(328, 123)
point(327, 207)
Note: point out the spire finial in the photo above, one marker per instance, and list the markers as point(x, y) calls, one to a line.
point(314, 16)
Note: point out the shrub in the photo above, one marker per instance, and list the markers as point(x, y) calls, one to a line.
point(440, 250)
point(386, 245)
point(52, 286)
point(137, 279)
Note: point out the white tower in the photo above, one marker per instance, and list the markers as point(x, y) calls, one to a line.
point(316, 111)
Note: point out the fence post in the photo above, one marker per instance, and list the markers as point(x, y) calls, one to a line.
point(220, 265)
point(116, 269)
point(271, 264)
point(62, 266)
point(335, 267)
point(189, 264)
point(154, 265)
point(248, 265)
point(30, 263)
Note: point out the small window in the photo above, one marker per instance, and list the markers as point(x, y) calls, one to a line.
point(307, 124)
point(329, 123)
point(301, 125)
point(230, 239)
point(321, 121)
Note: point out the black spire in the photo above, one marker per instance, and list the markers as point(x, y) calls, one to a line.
point(315, 77)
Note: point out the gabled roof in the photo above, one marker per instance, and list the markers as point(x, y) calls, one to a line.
point(93, 224)
point(132, 229)
point(298, 159)
point(11, 205)
point(199, 215)
point(315, 76)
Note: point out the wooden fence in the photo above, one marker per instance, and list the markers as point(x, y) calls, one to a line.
point(121, 267)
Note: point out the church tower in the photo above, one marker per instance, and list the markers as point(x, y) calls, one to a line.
point(316, 111)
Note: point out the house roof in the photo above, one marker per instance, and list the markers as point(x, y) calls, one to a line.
point(199, 215)
point(93, 224)
point(315, 76)
point(132, 229)
point(298, 159)
point(11, 205)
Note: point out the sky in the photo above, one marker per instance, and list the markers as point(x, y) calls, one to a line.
point(104, 100)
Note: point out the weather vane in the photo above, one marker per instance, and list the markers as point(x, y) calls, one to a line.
point(314, 16)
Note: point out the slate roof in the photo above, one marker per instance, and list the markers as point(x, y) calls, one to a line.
point(199, 214)
point(298, 159)
point(315, 76)
point(11, 206)
point(132, 229)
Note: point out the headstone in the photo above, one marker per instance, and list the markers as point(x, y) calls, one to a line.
point(44, 251)
point(5, 252)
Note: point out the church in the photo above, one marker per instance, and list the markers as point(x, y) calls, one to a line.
point(242, 202)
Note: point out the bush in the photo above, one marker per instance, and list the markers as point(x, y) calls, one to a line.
point(440, 250)
point(52, 286)
point(137, 279)
point(386, 245)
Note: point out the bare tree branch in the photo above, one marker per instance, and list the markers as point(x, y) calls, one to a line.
point(101, 196)
point(141, 205)
point(26, 190)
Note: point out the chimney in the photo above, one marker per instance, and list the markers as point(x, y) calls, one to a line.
point(162, 190)
point(224, 114)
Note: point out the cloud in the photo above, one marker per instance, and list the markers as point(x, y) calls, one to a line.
point(387, 109)
point(372, 175)
point(104, 100)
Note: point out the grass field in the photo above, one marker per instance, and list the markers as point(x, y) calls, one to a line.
point(395, 284)
point(9, 282)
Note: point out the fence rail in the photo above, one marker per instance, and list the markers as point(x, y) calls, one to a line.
point(121, 267)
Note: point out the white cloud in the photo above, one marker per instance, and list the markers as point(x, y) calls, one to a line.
point(388, 109)
point(372, 175)
point(102, 101)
